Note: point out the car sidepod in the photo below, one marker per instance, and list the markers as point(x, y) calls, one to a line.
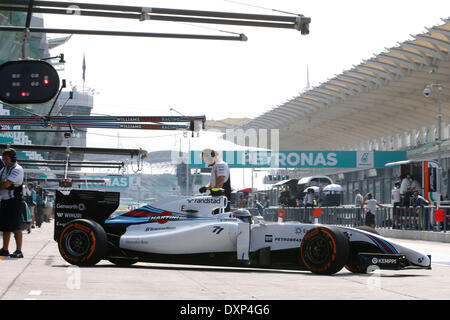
point(180, 237)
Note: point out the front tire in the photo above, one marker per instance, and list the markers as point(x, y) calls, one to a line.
point(324, 250)
point(82, 242)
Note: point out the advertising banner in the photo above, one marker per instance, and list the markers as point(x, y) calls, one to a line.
point(123, 182)
point(302, 159)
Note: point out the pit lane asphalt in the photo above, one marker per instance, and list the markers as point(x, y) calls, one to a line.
point(43, 275)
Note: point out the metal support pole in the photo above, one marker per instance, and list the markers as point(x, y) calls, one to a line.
point(439, 139)
point(170, 11)
point(439, 132)
point(241, 37)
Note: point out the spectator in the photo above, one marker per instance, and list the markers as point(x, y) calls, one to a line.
point(321, 196)
point(415, 185)
point(30, 199)
point(285, 200)
point(50, 207)
point(266, 202)
point(260, 208)
point(242, 202)
point(250, 201)
point(424, 214)
point(40, 205)
point(11, 206)
point(405, 190)
point(371, 208)
point(396, 202)
point(359, 200)
point(310, 198)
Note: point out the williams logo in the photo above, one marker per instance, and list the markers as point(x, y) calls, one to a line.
point(69, 215)
point(217, 229)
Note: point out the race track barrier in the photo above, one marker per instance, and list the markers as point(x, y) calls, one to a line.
point(423, 218)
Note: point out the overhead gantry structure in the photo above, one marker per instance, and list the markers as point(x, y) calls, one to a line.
point(297, 22)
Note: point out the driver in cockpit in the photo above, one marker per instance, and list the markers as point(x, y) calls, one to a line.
point(220, 174)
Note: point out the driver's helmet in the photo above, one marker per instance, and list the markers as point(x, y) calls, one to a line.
point(243, 215)
point(209, 156)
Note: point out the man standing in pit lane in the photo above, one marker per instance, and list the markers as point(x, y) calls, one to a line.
point(220, 174)
point(371, 207)
point(11, 193)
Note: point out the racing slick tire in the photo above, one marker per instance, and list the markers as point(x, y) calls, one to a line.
point(83, 242)
point(324, 250)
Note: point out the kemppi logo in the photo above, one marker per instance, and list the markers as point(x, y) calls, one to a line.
point(383, 261)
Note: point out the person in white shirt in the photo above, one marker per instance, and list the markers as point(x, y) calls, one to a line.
point(371, 207)
point(220, 174)
point(405, 190)
point(396, 202)
point(11, 192)
point(415, 185)
point(358, 204)
point(310, 198)
point(358, 198)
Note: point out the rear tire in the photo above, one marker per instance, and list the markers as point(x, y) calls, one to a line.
point(82, 242)
point(324, 250)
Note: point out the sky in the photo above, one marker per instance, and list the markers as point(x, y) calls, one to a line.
point(222, 79)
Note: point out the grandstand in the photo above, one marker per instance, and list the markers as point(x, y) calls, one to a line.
point(377, 105)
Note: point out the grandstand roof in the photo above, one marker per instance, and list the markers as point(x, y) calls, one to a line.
point(381, 97)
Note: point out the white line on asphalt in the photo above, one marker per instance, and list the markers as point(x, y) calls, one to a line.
point(22, 271)
point(35, 293)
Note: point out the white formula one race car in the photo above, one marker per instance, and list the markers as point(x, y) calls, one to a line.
point(196, 230)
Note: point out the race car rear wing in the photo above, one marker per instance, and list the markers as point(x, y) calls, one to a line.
point(83, 204)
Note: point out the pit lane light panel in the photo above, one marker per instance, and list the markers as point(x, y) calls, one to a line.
point(65, 183)
point(28, 82)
